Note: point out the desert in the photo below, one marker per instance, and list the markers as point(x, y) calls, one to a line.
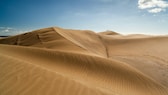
point(58, 61)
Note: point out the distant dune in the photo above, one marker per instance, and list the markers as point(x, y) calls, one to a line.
point(108, 33)
point(56, 61)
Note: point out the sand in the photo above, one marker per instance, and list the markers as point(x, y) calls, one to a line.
point(56, 61)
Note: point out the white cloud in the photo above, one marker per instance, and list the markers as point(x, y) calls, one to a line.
point(5, 29)
point(153, 6)
point(156, 10)
point(10, 31)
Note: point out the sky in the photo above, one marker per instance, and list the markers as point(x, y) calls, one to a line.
point(122, 16)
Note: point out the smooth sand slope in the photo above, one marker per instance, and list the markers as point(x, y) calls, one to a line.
point(56, 61)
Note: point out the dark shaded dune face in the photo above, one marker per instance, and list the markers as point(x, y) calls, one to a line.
point(3, 36)
point(56, 61)
point(9, 40)
point(109, 33)
point(27, 39)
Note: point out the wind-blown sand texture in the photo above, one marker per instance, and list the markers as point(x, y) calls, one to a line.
point(56, 61)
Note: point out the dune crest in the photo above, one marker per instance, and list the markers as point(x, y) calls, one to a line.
point(56, 61)
point(108, 32)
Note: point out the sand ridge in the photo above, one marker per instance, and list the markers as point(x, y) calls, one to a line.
point(56, 61)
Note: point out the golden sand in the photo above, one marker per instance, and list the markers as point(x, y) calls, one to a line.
point(56, 61)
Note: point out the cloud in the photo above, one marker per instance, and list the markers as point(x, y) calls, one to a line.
point(5, 29)
point(156, 10)
point(10, 31)
point(153, 6)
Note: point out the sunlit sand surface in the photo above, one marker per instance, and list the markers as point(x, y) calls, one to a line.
point(56, 61)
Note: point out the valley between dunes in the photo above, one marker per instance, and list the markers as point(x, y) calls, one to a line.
point(56, 61)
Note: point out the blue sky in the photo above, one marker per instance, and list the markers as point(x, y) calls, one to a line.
point(123, 16)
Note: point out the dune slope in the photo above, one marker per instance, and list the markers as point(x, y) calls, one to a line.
point(56, 61)
point(147, 54)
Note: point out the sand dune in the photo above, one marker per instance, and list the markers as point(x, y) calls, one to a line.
point(108, 33)
point(56, 61)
